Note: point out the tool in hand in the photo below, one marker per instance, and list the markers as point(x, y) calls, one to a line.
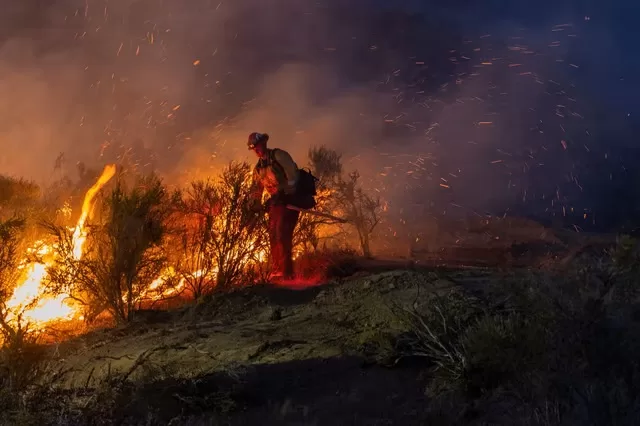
point(316, 213)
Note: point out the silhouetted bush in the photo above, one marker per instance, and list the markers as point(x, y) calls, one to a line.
point(547, 350)
point(342, 196)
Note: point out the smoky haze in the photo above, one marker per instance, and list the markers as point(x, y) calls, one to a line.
point(444, 110)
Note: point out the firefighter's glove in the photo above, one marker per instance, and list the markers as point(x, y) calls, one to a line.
point(277, 199)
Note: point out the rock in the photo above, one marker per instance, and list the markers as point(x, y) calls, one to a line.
point(271, 314)
point(367, 284)
point(276, 314)
point(392, 286)
point(341, 318)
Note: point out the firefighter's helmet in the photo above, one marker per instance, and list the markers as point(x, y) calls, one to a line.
point(256, 138)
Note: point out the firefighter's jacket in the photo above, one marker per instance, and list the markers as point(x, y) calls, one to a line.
point(277, 173)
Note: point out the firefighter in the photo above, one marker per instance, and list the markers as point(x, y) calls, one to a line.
point(277, 174)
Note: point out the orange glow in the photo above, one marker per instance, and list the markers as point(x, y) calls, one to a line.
point(301, 283)
point(28, 301)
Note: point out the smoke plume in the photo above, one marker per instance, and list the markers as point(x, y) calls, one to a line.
point(444, 109)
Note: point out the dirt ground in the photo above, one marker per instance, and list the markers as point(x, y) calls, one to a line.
point(273, 355)
point(290, 356)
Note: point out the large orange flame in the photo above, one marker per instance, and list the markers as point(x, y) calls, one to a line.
point(27, 301)
point(79, 234)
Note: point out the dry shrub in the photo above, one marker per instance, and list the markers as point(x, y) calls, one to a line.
point(17, 196)
point(11, 249)
point(220, 237)
point(326, 165)
point(545, 350)
point(475, 347)
point(340, 195)
point(145, 393)
point(21, 360)
point(191, 241)
point(123, 252)
point(238, 236)
point(625, 269)
point(359, 208)
point(20, 355)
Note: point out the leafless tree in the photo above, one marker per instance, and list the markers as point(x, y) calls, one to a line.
point(326, 165)
point(343, 196)
point(360, 209)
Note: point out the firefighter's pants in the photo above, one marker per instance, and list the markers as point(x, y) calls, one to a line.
point(282, 222)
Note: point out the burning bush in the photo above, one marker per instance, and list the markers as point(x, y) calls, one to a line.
point(21, 198)
point(15, 334)
point(11, 252)
point(220, 236)
point(191, 254)
point(10, 255)
point(19, 354)
point(145, 244)
point(123, 253)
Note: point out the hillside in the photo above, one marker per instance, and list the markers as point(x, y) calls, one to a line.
point(312, 356)
point(419, 341)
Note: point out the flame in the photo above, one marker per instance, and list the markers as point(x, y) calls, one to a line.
point(27, 301)
point(155, 291)
point(80, 234)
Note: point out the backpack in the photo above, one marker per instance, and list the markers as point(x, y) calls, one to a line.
point(306, 183)
point(305, 188)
